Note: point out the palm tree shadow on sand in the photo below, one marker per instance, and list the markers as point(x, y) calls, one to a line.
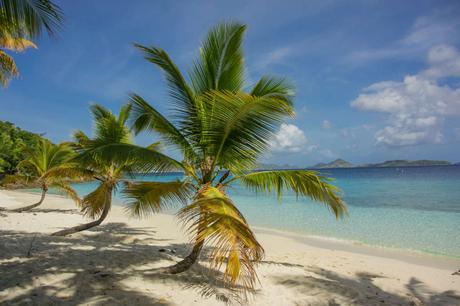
point(92, 268)
point(360, 290)
point(96, 268)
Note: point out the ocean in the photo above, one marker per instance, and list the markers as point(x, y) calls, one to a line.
point(411, 208)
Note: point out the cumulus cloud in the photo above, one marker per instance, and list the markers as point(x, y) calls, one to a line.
point(290, 138)
point(444, 61)
point(417, 105)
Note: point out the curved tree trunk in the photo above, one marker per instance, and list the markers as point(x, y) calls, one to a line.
point(187, 262)
point(26, 208)
point(85, 226)
point(191, 258)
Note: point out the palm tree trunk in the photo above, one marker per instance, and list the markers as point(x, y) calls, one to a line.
point(191, 258)
point(26, 208)
point(85, 226)
point(187, 262)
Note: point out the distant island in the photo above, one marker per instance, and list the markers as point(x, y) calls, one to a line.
point(408, 163)
point(341, 163)
point(338, 163)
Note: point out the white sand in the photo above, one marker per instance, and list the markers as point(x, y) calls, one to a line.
point(115, 264)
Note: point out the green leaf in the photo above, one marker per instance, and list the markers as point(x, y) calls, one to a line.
point(145, 198)
point(67, 190)
point(241, 126)
point(30, 17)
point(221, 64)
point(146, 118)
point(302, 182)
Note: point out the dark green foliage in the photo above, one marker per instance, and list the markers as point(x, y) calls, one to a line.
point(12, 141)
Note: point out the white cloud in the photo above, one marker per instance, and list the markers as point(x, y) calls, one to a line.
point(430, 30)
point(416, 106)
point(444, 61)
point(289, 139)
point(426, 32)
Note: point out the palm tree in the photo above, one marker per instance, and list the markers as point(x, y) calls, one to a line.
point(109, 129)
point(220, 130)
point(47, 165)
point(21, 21)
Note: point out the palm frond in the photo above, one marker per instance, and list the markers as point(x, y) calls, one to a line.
point(222, 226)
point(275, 88)
point(145, 117)
point(8, 68)
point(27, 166)
point(67, 190)
point(241, 126)
point(221, 64)
point(183, 97)
point(108, 128)
point(15, 44)
point(93, 203)
point(45, 157)
point(145, 198)
point(302, 182)
point(15, 179)
point(72, 172)
point(100, 112)
point(138, 158)
point(155, 146)
point(81, 139)
point(30, 17)
point(124, 113)
point(58, 155)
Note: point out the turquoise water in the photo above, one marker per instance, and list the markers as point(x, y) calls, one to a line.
point(415, 208)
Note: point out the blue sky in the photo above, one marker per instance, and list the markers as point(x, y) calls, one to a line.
point(376, 80)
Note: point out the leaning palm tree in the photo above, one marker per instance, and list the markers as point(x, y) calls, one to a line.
point(21, 21)
point(47, 165)
point(221, 131)
point(109, 129)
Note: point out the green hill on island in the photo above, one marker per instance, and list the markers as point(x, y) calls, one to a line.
point(409, 163)
point(341, 163)
point(338, 163)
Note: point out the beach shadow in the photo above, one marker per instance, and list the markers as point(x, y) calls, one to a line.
point(281, 263)
point(5, 212)
point(94, 267)
point(335, 289)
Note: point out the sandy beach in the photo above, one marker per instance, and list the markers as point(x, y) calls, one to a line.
point(115, 264)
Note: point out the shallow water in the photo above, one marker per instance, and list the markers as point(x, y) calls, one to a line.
point(415, 208)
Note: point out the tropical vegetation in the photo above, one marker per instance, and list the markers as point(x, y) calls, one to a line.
point(220, 130)
point(111, 175)
point(219, 126)
point(46, 165)
point(12, 141)
point(22, 21)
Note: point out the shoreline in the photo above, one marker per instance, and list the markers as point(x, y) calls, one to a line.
point(115, 263)
point(324, 241)
point(409, 256)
